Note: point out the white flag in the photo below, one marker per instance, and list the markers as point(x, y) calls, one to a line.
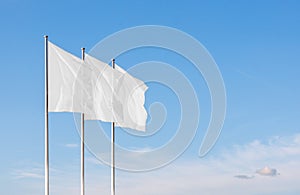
point(124, 96)
point(100, 105)
point(63, 68)
point(95, 89)
point(129, 99)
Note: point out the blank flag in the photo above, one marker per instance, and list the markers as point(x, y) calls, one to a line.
point(96, 89)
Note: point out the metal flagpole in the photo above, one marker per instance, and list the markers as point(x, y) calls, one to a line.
point(46, 120)
point(82, 138)
point(113, 150)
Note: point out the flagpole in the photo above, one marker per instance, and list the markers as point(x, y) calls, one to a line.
point(82, 139)
point(113, 150)
point(46, 120)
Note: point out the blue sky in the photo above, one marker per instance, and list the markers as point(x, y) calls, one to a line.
point(254, 43)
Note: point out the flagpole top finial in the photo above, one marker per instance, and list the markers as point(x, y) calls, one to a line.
point(113, 63)
point(82, 48)
point(46, 36)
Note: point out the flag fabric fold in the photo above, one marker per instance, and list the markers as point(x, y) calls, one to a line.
point(62, 73)
point(96, 89)
point(129, 98)
point(100, 105)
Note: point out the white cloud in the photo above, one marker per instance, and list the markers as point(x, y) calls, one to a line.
point(244, 176)
point(71, 145)
point(34, 173)
point(93, 160)
point(267, 171)
point(29, 175)
point(143, 149)
point(219, 174)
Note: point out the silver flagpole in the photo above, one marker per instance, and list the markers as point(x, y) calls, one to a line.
point(46, 120)
point(113, 150)
point(82, 139)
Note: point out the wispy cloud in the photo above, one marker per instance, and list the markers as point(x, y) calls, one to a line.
point(214, 175)
point(244, 176)
point(143, 149)
point(33, 173)
point(93, 160)
point(71, 145)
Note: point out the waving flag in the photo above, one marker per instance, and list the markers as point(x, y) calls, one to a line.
point(129, 98)
point(95, 89)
